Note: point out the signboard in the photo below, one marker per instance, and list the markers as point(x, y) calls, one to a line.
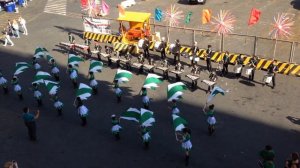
point(100, 26)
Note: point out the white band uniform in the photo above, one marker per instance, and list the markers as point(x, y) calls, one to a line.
point(37, 94)
point(73, 74)
point(2, 81)
point(37, 66)
point(54, 70)
point(146, 137)
point(211, 120)
point(17, 88)
point(116, 128)
point(93, 83)
point(83, 111)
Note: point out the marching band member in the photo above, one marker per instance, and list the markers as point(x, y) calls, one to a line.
point(194, 50)
point(253, 63)
point(225, 63)
point(272, 70)
point(93, 82)
point(176, 51)
point(82, 111)
point(58, 105)
point(145, 98)
point(163, 48)
point(118, 91)
point(17, 87)
point(239, 64)
point(72, 41)
point(73, 75)
point(175, 109)
point(35, 64)
point(54, 70)
point(115, 126)
point(213, 78)
point(98, 48)
point(146, 45)
point(37, 94)
point(145, 132)
point(208, 56)
point(186, 144)
point(3, 83)
point(211, 120)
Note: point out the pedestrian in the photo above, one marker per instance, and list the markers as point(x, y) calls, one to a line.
point(252, 64)
point(58, 105)
point(87, 42)
point(3, 83)
point(82, 112)
point(11, 164)
point(163, 48)
point(145, 98)
point(7, 39)
point(17, 87)
point(186, 144)
point(213, 77)
point(195, 51)
point(145, 46)
point(73, 73)
point(115, 126)
point(98, 48)
point(225, 63)
point(267, 155)
point(145, 135)
point(35, 64)
point(211, 120)
point(175, 109)
point(22, 22)
point(37, 94)
point(272, 70)
point(15, 27)
point(9, 27)
point(93, 82)
point(29, 120)
point(293, 162)
point(118, 91)
point(208, 56)
point(239, 62)
point(176, 52)
point(54, 69)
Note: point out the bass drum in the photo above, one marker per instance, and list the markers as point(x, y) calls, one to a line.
point(141, 43)
point(172, 48)
point(158, 46)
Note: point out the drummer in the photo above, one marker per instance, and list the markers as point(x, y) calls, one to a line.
point(163, 48)
point(194, 50)
point(225, 63)
point(176, 51)
point(272, 70)
point(146, 45)
point(239, 63)
point(252, 64)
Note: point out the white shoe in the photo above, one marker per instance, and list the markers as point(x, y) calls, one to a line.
point(12, 45)
point(4, 45)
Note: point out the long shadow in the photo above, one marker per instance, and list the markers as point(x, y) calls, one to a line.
point(70, 30)
point(295, 4)
point(236, 141)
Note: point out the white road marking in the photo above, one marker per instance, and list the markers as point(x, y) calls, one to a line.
point(58, 7)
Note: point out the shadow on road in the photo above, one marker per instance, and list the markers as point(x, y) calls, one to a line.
point(236, 141)
point(71, 30)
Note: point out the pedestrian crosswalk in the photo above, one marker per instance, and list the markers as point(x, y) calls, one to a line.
point(58, 7)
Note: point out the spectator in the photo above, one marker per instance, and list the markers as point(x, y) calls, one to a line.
point(7, 39)
point(29, 120)
point(15, 27)
point(267, 156)
point(23, 25)
point(294, 162)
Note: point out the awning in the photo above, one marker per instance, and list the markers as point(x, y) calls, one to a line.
point(135, 17)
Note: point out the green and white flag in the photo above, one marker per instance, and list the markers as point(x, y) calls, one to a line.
point(20, 67)
point(152, 81)
point(131, 114)
point(40, 52)
point(74, 60)
point(123, 76)
point(40, 77)
point(178, 122)
point(51, 86)
point(175, 90)
point(96, 66)
point(84, 91)
point(147, 118)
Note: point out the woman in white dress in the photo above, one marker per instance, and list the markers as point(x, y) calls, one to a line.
point(186, 144)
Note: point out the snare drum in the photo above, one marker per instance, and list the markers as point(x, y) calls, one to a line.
point(249, 71)
point(158, 46)
point(197, 59)
point(172, 48)
point(141, 43)
point(268, 78)
point(238, 69)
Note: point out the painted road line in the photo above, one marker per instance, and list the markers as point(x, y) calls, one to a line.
point(58, 7)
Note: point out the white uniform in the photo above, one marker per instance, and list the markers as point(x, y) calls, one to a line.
point(83, 111)
point(93, 83)
point(17, 88)
point(211, 120)
point(116, 128)
point(58, 104)
point(37, 94)
point(73, 74)
point(3, 81)
point(54, 70)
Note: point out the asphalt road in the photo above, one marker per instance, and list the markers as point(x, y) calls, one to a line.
point(249, 116)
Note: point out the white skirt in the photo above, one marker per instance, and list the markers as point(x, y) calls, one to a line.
point(37, 94)
point(116, 128)
point(83, 111)
point(17, 88)
point(175, 111)
point(58, 105)
point(146, 137)
point(37, 66)
point(54, 70)
point(146, 99)
point(3, 81)
point(187, 145)
point(93, 83)
point(73, 75)
point(118, 92)
point(211, 120)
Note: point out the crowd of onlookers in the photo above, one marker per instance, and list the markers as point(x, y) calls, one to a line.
point(13, 29)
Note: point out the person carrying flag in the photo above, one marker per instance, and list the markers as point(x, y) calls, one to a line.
point(118, 91)
point(145, 133)
point(145, 98)
point(175, 109)
point(37, 94)
point(82, 111)
point(35, 64)
point(115, 126)
point(211, 120)
point(3, 83)
point(58, 105)
point(73, 75)
point(54, 69)
point(93, 82)
point(17, 87)
point(186, 144)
